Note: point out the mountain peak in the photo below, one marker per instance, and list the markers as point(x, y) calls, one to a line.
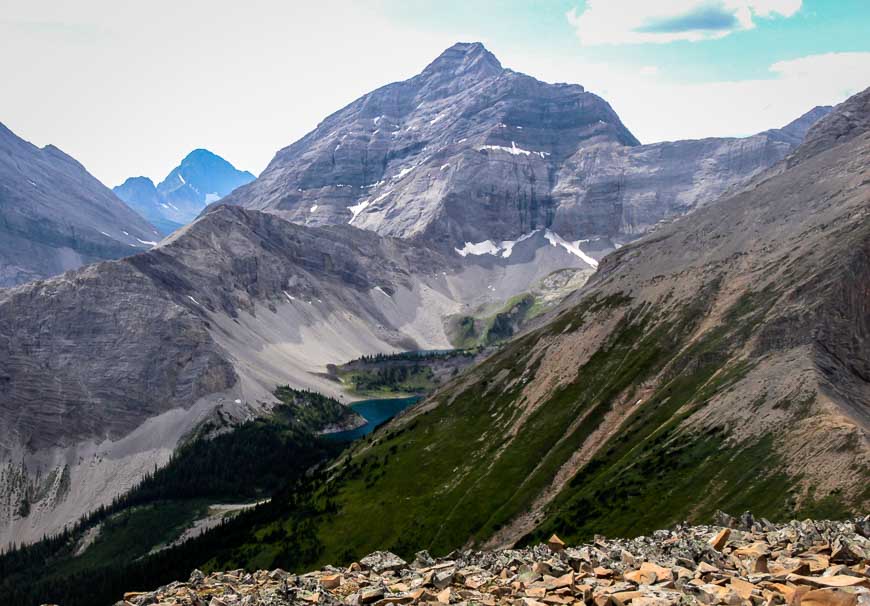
point(204, 157)
point(799, 126)
point(146, 181)
point(200, 154)
point(200, 179)
point(848, 120)
point(465, 58)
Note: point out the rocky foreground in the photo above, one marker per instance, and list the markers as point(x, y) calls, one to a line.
point(741, 561)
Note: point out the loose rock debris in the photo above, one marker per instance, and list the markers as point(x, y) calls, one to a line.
point(739, 562)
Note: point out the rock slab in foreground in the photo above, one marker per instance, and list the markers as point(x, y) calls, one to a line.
point(809, 563)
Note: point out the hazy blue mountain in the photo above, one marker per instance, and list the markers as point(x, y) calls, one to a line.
point(200, 179)
point(140, 194)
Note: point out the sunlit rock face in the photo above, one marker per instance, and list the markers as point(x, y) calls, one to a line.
point(468, 151)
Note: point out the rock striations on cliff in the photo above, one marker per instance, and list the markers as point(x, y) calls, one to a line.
point(468, 152)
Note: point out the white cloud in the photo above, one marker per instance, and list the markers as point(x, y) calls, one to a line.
point(649, 70)
point(663, 21)
point(656, 109)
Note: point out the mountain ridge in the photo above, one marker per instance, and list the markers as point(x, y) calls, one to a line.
point(201, 178)
point(56, 216)
point(445, 95)
point(138, 353)
point(468, 151)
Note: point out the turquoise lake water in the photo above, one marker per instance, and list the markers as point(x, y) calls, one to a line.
point(375, 412)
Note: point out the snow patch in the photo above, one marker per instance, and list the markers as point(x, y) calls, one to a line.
point(288, 295)
point(381, 197)
point(403, 172)
point(125, 233)
point(507, 246)
point(437, 119)
point(313, 207)
point(572, 247)
point(105, 234)
point(513, 150)
point(194, 300)
point(487, 247)
point(381, 290)
point(502, 249)
point(443, 166)
point(148, 242)
point(180, 178)
point(357, 209)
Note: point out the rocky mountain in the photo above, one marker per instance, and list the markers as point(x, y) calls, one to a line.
point(719, 362)
point(468, 152)
point(201, 179)
point(105, 369)
point(623, 191)
point(55, 216)
point(140, 194)
point(795, 131)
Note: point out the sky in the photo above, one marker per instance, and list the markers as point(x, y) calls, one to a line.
point(129, 88)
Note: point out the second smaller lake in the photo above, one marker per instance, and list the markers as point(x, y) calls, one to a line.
point(374, 412)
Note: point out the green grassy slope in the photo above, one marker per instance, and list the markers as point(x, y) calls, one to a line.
point(453, 472)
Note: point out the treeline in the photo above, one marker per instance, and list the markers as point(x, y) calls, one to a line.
point(393, 378)
point(308, 411)
point(435, 354)
point(255, 460)
point(296, 540)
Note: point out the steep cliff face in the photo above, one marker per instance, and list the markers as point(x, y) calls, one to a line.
point(54, 216)
point(465, 151)
point(622, 192)
point(468, 151)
